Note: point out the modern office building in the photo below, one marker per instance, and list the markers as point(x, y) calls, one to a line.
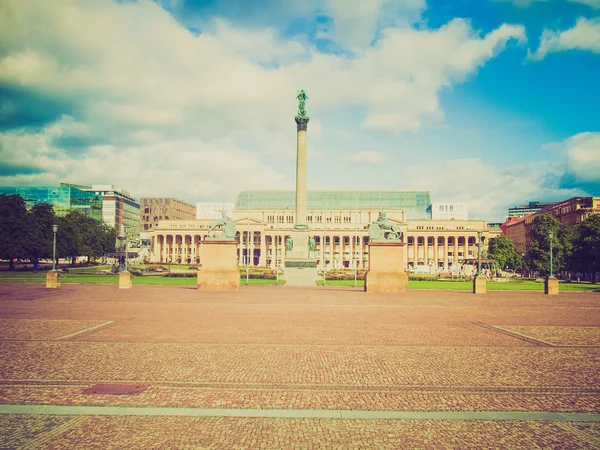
point(339, 222)
point(154, 209)
point(445, 211)
point(63, 198)
point(120, 210)
point(206, 210)
point(529, 208)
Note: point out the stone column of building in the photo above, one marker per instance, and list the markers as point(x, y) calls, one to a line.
point(425, 250)
point(436, 251)
point(331, 252)
point(455, 251)
point(263, 250)
point(301, 126)
point(445, 252)
point(157, 250)
point(193, 255)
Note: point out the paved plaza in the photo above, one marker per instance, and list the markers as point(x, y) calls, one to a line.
point(95, 367)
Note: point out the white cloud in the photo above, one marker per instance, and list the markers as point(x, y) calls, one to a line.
point(369, 157)
point(583, 157)
point(585, 35)
point(162, 102)
point(356, 22)
point(489, 191)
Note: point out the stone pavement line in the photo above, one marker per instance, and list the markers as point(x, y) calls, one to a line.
point(86, 330)
point(520, 335)
point(296, 413)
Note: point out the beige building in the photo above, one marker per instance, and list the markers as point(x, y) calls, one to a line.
point(341, 234)
point(568, 213)
point(153, 210)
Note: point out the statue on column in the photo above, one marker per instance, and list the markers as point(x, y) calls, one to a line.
point(383, 229)
point(302, 97)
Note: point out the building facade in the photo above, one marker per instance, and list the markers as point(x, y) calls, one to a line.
point(445, 211)
point(154, 209)
point(339, 223)
point(568, 213)
point(120, 210)
point(63, 199)
point(529, 208)
point(206, 210)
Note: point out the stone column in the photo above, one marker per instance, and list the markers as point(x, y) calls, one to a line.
point(301, 125)
point(262, 261)
point(445, 252)
point(425, 250)
point(455, 251)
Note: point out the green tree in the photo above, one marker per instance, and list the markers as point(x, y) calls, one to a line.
point(503, 251)
point(13, 215)
point(537, 259)
point(585, 256)
point(38, 231)
point(81, 235)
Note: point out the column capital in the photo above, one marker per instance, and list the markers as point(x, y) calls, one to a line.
point(301, 123)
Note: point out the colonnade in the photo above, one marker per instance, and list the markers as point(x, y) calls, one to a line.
point(336, 248)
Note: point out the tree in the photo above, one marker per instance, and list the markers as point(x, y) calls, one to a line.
point(13, 215)
point(81, 235)
point(537, 259)
point(586, 247)
point(503, 251)
point(38, 231)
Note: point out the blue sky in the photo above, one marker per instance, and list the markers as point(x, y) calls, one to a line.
point(489, 102)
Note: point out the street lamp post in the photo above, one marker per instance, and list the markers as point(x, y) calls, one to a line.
point(479, 234)
point(551, 239)
point(54, 230)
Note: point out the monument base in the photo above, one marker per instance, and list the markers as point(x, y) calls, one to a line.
point(125, 280)
point(379, 281)
point(219, 266)
point(300, 267)
point(52, 279)
point(551, 286)
point(386, 267)
point(300, 272)
point(479, 285)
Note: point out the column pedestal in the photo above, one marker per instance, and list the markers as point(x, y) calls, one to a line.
point(125, 280)
point(479, 284)
point(386, 267)
point(551, 286)
point(300, 266)
point(219, 266)
point(52, 279)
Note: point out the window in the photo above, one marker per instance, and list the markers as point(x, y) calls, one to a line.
point(338, 219)
point(290, 219)
point(270, 219)
point(318, 219)
point(346, 240)
point(347, 219)
point(309, 219)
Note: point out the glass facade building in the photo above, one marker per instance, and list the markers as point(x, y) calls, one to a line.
point(62, 199)
point(415, 203)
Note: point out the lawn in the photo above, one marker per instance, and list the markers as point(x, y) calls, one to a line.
point(458, 285)
point(40, 277)
point(461, 285)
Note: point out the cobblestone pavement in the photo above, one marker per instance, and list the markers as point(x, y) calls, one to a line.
point(274, 347)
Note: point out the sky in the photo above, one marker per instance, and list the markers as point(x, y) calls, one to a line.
point(492, 103)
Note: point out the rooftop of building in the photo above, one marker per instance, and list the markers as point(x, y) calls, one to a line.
point(415, 203)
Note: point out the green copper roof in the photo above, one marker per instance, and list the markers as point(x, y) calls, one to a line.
point(415, 203)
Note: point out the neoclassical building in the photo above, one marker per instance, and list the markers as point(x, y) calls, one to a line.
point(338, 221)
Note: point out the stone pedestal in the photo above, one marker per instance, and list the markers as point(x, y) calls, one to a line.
point(300, 267)
point(219, 266)
point(551, 286)
point(125, 280)
point(387, 266)
point(53, 279)
point(479, 284)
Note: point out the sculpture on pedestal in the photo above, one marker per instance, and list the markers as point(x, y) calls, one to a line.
point(384, 230)
point(225, 224)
